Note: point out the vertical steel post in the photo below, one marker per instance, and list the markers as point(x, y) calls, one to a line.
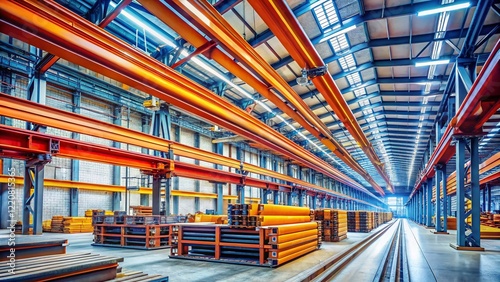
point(157, 196)
point(219, 149)
point(460, 176)
point(437, 213)
point(75, 164)
point(475, 237)
point(196, 181)
point(489, 196)
point(445, 199)
point(116, 196)
point(429, 202)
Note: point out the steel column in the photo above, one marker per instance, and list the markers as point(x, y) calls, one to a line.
point(445, 198)
point(460, 176)
point(33, 179)
point(437, 213)
point(219, 149)
point(474, 239)
point(116, 196)
point(489, 196)
point(196, 181)
point(157, 196)
point(145, 129)
point(75, 164)
point(240, 189)
point(429, 202)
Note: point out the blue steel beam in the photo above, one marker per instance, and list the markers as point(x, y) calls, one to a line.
point(384, 42)
point(398, 11)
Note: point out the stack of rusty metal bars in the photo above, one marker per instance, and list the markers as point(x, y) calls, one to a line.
point(334, 224)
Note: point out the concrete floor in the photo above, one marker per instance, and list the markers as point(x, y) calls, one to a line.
point(430, 257)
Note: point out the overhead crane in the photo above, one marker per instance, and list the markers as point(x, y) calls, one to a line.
point(21, 109)
point(228, 38)
point(26, 110)
point(91, 47)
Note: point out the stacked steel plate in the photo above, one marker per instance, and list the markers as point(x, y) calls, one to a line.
point(359, 221)
point(333, 223)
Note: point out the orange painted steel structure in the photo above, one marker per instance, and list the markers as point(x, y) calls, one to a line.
point(107, 20)
point(26, 110)
point(282, 22)
point(219, 29)
point(111, 188)
point(23, 144)
point(52, 27)
point(482, 101)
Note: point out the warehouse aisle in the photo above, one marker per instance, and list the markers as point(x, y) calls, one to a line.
point(447, 264)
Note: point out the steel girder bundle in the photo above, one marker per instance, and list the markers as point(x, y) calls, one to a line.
point(220, 30)
point(89, 46)
point(281, 20)
point(25, 110)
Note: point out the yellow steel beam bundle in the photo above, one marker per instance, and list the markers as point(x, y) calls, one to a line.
point(268, 220)
point(266, 209)
point(278, 239)
point(300, 240)
point(292, 228)
point(294, 251)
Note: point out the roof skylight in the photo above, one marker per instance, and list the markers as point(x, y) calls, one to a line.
point(326, 14)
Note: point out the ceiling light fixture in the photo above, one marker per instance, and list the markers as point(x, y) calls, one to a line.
point(444, 8)
point(340, 32)
point(432, 63)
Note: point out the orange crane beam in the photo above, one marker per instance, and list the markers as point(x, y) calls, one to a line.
point(51, 27)
point(285, 26)
point(22, 109)
point(213, 24)
point(24, 144)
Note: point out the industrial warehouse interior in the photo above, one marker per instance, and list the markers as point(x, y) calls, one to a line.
point(249, 140)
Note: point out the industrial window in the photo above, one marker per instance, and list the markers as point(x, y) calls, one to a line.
point(367, 112)
point(359, 92)
point(326, 14)
point(339, 43)
point(364, 102)
point(347, 63)
point(353, 79)
point(370, 119)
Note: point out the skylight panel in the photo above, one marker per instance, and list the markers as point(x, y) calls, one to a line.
point(364, 103)
point(353, 79)
point(367, 112)
point(347, 62)
point(339, 43)
point(359, 92)
point(326, 14)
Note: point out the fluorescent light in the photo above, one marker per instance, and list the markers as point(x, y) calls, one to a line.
point(432, 63)
point(340, 32)
point(444, 8)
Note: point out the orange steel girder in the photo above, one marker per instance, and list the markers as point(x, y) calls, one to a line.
point(41, 114)
point(24, 144)
point(214, 25)
point(51, 27)
point(283, 23)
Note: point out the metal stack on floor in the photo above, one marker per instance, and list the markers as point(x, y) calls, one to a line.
point(255, 235)
point(255, 215)
point(142, 232)
point(359, 221)
point(333, 224)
